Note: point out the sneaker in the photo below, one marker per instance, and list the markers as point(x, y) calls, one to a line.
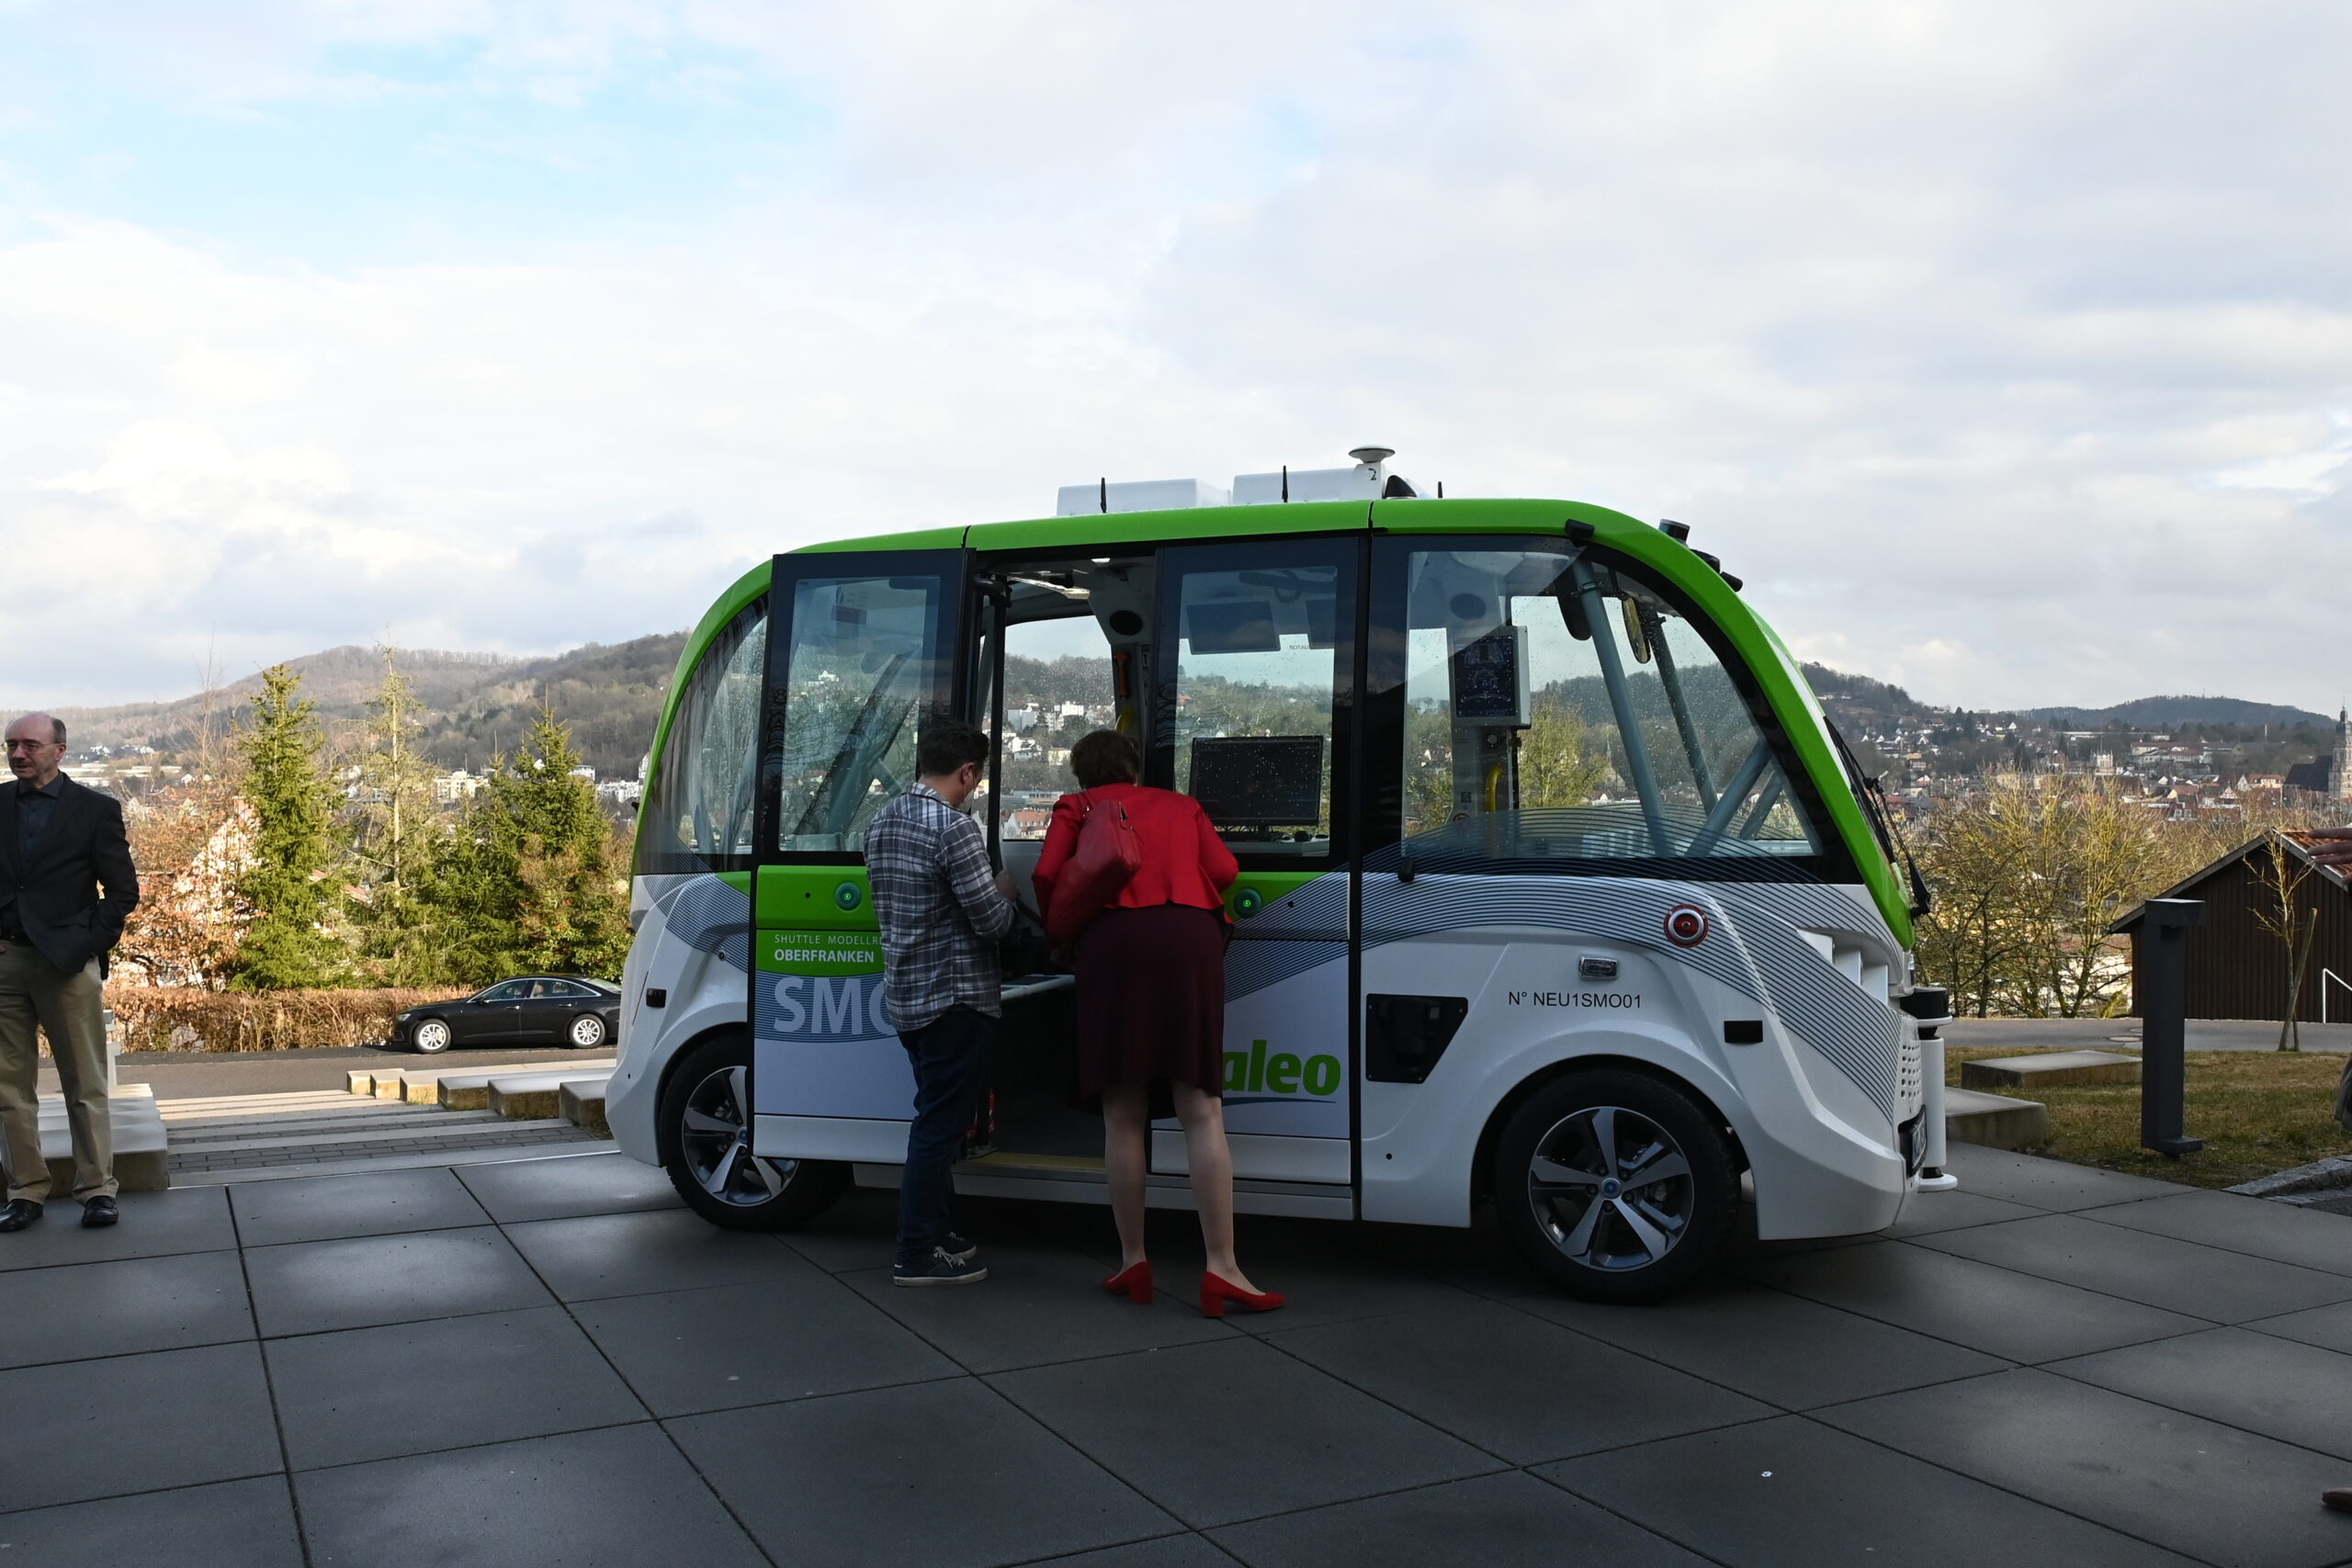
point(938, 1270)
point(956, 1247)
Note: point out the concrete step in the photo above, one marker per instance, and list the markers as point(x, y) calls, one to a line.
point(520, 1097)
point(447, 1128)
point(1993, 1121)
point(582, 1105)
point(422, 1086)
point(420, 1123)
point(2050, 1068)
point(142, 1148)
point(497, 1155)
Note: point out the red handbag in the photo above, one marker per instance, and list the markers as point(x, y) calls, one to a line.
point(1110, 852)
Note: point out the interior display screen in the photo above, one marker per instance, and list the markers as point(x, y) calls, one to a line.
point(1259, 781)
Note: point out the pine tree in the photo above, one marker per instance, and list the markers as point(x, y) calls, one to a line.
point(395, 833)
point(285, 946)
point(528, 883)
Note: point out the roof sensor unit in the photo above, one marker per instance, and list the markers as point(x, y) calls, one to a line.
point(1679, 532)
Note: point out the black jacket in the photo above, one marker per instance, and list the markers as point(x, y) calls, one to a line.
point(65, 917)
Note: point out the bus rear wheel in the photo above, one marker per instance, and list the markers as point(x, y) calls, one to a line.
point(706, 1133)
point(1614, 1186)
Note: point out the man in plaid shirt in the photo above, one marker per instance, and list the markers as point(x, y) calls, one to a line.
point(940, 909)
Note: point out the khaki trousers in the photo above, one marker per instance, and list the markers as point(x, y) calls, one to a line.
point(72, 1010)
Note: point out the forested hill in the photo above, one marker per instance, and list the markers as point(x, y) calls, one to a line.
point(2180, 713)
point(476, 704)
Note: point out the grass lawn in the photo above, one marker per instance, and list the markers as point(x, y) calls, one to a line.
point(2258, 1112)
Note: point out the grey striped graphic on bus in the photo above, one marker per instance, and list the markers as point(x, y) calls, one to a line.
point(712, 917)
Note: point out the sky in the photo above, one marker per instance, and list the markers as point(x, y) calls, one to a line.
point(2004, 349)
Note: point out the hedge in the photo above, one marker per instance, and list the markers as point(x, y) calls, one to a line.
point(172, 1017)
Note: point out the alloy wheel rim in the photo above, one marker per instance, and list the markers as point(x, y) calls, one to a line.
point(433, 1034)
point(715, 1137)
point(588, 1030)
point(1611, 1189)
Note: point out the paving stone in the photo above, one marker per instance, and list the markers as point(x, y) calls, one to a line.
point(108, 1309)
point(2281, 1388)
point(1771, 1345)
point(715, 1349)
point(327, 1207)
point(1168, 1552)
point(1511, 1521)
point(857, 1231)
point(566, 1187)
point(1998, 1311)
point(230, 1524)
point(1791, 1493)
point(620, 1255)
point(1036, 1306)
point(1224, 1432)
point(1513, 1384)
point(2047, 1184)
point(935, 1475)
point(314, 1286)
point(367, 1393)
point(621, 1497)
point(137, 1424)
point(2283, 1233)
point(1927, 1213)
point(1324, 1280)
point(2206, 1490)
point(155, 1224)
point(2328, 1326)
point(2155, 1271)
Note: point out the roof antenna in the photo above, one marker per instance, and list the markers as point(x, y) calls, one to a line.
point(1286, 481)
point(1103, 491)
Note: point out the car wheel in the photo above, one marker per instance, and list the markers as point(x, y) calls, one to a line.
point(1614, 1186)
point(432, 1036)
point(587, 1032)
point(706, 1139)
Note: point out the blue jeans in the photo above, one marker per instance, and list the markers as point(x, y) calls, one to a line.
point(951, 1056)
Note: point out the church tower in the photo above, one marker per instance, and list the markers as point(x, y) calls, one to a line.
point(2339, 766)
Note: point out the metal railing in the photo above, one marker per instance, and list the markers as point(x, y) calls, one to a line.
point(2325, 975)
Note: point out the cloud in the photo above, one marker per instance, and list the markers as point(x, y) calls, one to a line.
point(2004, 350)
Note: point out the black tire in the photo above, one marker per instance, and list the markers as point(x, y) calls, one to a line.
point(429, 1036)
point(704, 1134)
point(586, 1032)
point(1593, 1226)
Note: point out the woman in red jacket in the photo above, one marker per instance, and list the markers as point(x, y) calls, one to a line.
point(1151, 1008)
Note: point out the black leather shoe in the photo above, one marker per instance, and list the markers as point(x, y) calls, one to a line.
point(18, 1214)
point(99, 1212)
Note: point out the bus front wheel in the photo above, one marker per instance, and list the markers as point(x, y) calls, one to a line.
point(1614, 1186)
point(706, 1131)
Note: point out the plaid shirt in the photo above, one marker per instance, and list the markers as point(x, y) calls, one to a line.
point(936, 899)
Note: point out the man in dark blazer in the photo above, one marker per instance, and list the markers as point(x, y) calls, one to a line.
point(66, 886)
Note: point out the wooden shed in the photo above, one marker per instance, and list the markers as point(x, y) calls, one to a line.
point(2237, 968)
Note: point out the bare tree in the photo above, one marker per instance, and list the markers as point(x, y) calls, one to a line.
point(2281, 909)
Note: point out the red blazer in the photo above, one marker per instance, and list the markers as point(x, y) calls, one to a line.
point(1183, 859)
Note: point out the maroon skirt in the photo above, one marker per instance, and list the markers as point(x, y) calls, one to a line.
point(1152, 1001)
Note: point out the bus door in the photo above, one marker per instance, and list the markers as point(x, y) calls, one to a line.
point(862, 646)
point(1254, 678)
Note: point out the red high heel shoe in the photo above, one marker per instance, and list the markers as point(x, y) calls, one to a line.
point(1215, 1292)
point(1133, 1282)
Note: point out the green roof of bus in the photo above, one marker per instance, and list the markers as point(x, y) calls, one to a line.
point(1776, 669)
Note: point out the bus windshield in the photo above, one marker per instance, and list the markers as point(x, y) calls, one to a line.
point(1557, 709)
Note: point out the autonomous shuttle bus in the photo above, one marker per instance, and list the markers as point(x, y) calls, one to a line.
point(1557, 891)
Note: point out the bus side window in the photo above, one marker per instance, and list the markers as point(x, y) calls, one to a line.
point(863, 663)
point(1557, 710)
point(696, 814)
point(1057, 687)
point(1260, 656)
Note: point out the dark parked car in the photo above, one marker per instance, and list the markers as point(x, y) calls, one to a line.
point(555, 1009)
